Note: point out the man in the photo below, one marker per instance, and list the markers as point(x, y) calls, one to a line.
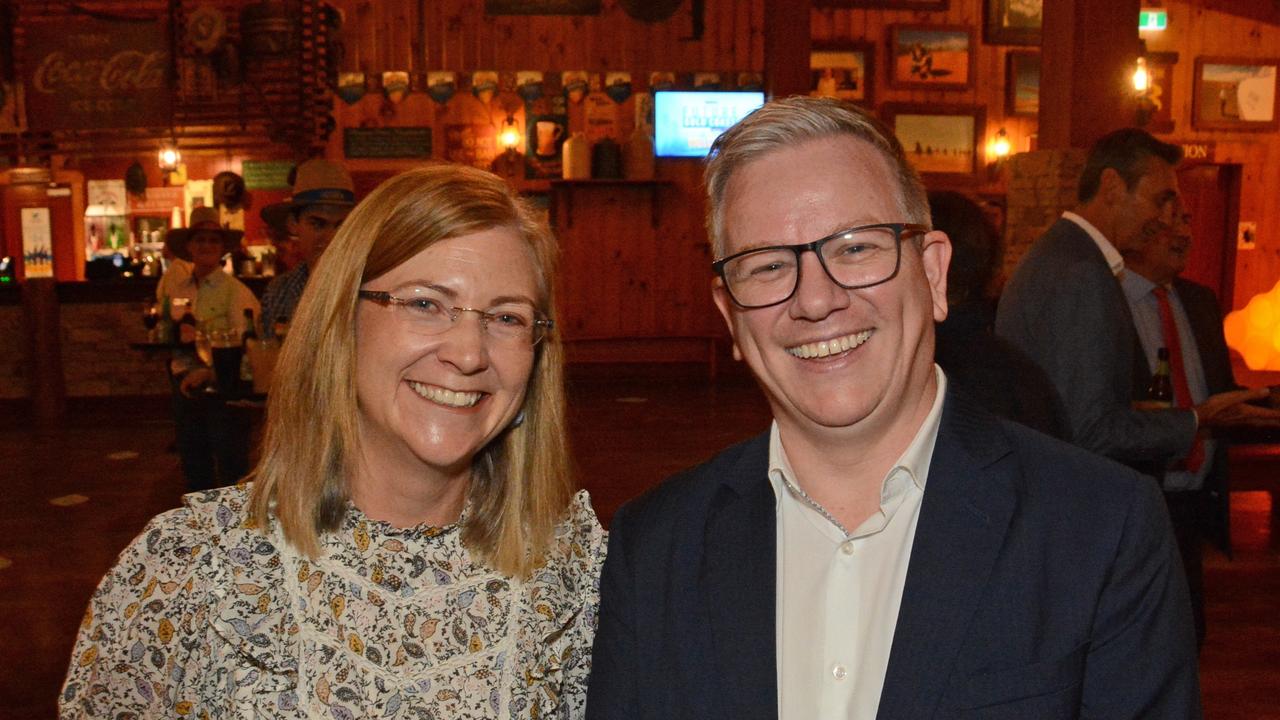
point(886, 549)
point(1183, 318)
point(213, 443)
point(1064, 307)
point(323, 196)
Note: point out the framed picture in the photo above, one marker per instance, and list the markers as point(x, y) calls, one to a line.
point(930, 56)
point(942, 141)
point(891, 4)
point(1235, 94)
point(1158, 104)
point(1013, 22)
point(1022, 83)
point(842, 70)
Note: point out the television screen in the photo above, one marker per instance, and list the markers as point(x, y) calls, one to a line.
point(686, 123)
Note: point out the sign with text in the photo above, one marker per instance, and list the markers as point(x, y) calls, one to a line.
point(85, 74)
point(266, 174)
point(387, 142)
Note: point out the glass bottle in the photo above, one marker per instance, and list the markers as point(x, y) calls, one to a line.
point(1160, 389)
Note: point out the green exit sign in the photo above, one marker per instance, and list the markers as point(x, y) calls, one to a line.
point(1153, 20)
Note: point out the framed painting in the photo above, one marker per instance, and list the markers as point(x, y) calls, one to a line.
point(930, 56)
point(1234, 94)
point(1156, 109)
point(1013, 22)
point(941, 141)
point(1022, 83)
point(888, 4)
point(842, 70)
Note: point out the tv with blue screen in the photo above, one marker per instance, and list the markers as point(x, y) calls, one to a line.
point(686, 123)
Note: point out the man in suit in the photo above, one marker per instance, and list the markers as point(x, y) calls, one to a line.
point(1064, 307)
point(886, 549)
point(1183, 318)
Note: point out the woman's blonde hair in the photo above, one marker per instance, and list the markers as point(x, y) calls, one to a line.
point(520, 483)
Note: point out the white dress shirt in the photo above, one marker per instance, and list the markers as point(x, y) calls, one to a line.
point(838, 592)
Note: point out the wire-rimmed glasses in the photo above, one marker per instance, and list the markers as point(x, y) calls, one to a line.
point(514, 322)
point(858, 257)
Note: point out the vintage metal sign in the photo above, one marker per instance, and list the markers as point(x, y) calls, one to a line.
point(87, 74)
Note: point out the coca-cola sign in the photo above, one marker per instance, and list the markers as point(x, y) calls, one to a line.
point(86, 74)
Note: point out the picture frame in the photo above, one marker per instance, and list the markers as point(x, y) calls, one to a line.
point(1158, 104)
point(844, 70)
point(930, 56)
point(1235, 93)
point(886, 4)
point(1013, 22)
point(943, 142)
point(1022, 83)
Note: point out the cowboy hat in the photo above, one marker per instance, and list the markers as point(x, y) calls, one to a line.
point(318, 182)
point(203, 219)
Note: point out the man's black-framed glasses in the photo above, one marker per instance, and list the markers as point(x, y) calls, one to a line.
point(515, 323)
point(858, 257)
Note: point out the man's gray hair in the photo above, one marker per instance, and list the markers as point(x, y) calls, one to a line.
point(788, 122)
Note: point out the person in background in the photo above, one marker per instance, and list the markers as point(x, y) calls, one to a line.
point(213, 442)
point(997, 375)
point(420, 553)
point(887, 548)
point(1064, 308)
point(1185, 319)
point(323, 196)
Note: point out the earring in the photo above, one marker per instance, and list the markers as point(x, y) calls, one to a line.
point(519, 419)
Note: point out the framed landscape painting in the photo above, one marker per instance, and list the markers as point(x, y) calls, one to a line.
point(930, 56)
point(1235, 94)
point(842, 70)
point(1013, 22)
point(1022, 84)
point(941, 141)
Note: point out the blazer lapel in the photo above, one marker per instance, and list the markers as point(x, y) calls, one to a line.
point(738, 583)
point(967, 506)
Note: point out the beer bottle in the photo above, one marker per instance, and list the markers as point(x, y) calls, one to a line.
point(250, 333)
point(1161, 387)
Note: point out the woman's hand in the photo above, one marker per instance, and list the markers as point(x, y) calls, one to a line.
point(197, 378)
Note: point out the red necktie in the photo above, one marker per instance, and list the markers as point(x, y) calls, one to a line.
point(1181, 391)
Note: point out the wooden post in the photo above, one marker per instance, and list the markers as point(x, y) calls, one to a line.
point(44, 351)
point(1087, 60)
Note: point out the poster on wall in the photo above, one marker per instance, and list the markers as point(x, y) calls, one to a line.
point(471, 144)
point(85, 73)
point(37, 243)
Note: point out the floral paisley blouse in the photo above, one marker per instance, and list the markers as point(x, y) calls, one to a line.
point(205, 617)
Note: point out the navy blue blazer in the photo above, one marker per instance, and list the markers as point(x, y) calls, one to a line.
point(1043, 583)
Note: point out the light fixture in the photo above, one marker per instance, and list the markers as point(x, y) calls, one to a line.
point(1000, 146)
point(169, 156)
point(509, 135)
point(1141, 78)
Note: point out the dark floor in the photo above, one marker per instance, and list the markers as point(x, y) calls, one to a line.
point(70, 500)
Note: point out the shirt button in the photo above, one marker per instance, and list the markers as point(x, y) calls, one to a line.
point(847, 547)
point(839, 672)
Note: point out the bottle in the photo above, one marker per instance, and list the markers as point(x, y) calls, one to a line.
point(187, 326)
point(1160, 390)
point(166, 321)
point(250, 333)
point(639, 160)
point(576, 161)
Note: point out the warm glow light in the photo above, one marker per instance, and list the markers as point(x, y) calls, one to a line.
point(509, 136)
point(1000, 146)
point(1141, 79)
point(1254, 332)
point(169, 157)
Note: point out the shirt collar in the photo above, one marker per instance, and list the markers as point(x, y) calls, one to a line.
point(1109, 252)
point(1136, 287)
point(914, 461)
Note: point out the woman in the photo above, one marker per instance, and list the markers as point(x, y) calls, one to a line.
point(409, 546)
point(213, 442)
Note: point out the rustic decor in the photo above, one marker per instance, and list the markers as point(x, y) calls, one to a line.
point(1235, 93)
point(930, 56)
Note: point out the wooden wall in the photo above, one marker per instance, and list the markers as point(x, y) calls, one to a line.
point(1195, 32)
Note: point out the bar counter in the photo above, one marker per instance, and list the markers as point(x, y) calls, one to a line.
point(85, 329)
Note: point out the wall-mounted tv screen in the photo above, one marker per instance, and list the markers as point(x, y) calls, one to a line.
point(686, 123)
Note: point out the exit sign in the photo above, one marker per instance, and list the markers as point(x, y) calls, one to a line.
point(1153, 20)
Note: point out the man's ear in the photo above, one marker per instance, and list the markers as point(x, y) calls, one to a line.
point(1112, 187)
point(935, 256)
point(725, 305)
